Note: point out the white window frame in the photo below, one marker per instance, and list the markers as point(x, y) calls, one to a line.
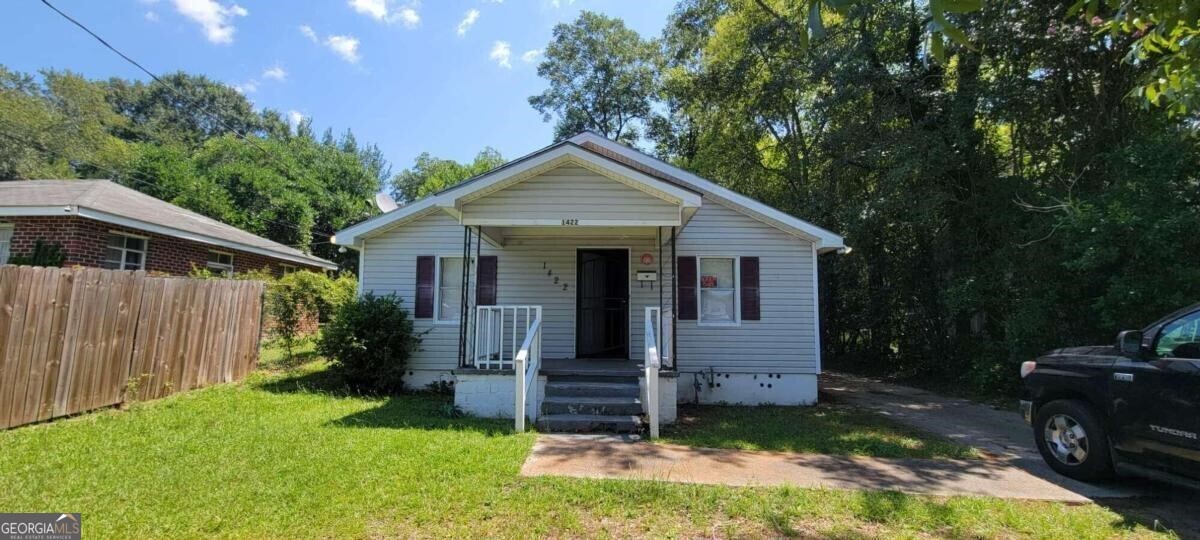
point(6, 228)
point(737, 292)
point(144, 251)
point(437, 289)
point(217, 266)
point(286, 268)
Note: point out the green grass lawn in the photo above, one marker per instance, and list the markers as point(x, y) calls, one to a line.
point(285, 454)
point(823, 429)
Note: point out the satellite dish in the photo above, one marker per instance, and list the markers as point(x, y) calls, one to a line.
point(385, 202)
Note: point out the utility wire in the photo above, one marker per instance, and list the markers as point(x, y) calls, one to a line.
point(173, 90)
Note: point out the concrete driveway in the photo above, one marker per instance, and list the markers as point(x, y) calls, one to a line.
point(1005, 437)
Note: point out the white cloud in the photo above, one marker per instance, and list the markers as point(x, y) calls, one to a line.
point(409, 17)
point(151, 16)
point(377, 9)
point(308, 33)
point(531, 55)
point(383, 11)
point(558, 3)
point(468, 20)
point(501, 53)
point(214, 18)
point(275, 72)
point(345, 46)
point(248, 87)
point(294, 117)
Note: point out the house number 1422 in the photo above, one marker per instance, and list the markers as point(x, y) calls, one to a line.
point(570, 222)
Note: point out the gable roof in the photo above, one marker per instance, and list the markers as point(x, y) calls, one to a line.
point(659, 176)
point(825, 239)
point(106, 201)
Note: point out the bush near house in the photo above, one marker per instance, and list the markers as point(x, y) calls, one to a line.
point(369, 342)
point(296, 303)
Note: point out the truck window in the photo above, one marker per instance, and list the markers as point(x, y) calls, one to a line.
point(1180, 338)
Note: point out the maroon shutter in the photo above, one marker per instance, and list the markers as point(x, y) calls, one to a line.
point(425, 269)
point(485, 276)
point(687, 288)
point(751, 310)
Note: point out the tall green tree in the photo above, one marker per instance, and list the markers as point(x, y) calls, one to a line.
point(430, 175)
point(601, 76)
point(282, 184)
point(183, 108)
point(999, 194)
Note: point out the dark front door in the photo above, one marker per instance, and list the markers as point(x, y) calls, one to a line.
point(602, 320)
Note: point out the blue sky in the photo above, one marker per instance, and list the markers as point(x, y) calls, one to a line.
point(444, 76)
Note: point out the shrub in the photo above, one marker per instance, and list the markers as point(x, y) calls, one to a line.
point(320, 293)
point(286, 307)
point(295, 300)
point(369, 342)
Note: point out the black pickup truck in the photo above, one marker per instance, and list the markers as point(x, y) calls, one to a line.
point(1132, 407)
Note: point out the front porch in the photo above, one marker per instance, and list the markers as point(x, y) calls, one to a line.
point(503, 379)
point(570, 326)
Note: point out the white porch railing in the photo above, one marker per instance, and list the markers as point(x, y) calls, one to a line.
point(499, 333)
point(657, 354)
point(526, 364)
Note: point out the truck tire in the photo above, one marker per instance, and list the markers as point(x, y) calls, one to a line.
point(1073, 440)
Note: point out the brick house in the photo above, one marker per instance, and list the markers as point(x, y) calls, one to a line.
point(99, 223)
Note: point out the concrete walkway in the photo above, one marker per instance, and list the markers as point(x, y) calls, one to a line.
point(611, 456)
point(1002, 434)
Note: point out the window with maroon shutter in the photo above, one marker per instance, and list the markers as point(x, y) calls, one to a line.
point(424, 300)
point(687, 288)
point(485, 287)
point(751, 309)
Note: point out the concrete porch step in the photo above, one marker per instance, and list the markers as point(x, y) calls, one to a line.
point(590, 423)
point(590, 377)
point(591, 388)
point(596, 405)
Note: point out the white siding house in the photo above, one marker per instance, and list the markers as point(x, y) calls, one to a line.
point(590, 238)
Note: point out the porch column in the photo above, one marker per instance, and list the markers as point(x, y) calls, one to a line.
point(674, 303)
point(465, 311)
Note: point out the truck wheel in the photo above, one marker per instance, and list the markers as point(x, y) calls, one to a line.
point(1073, 440)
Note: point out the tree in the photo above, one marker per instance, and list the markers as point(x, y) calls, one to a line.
point(601, 77)
point(58, 127)
point(183, 108)
point(430, 175)
point(282, 184)
point(1003, 200)
point(1167, 34)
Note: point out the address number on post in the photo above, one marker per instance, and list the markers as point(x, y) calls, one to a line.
point(570, 222)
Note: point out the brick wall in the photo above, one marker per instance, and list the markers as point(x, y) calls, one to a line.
point(84, 242)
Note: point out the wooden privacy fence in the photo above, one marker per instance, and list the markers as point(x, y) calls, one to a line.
point(76, 339)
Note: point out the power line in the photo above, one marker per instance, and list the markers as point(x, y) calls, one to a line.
point(144, 180)
point(173, 90)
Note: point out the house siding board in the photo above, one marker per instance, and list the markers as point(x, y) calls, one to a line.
point(571, 193)
point(781, 342)
point(84, 242)
point(390, 263)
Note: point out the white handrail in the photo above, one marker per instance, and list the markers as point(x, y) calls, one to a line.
point(526, 364)
point(495, 343)
point(652, 364)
